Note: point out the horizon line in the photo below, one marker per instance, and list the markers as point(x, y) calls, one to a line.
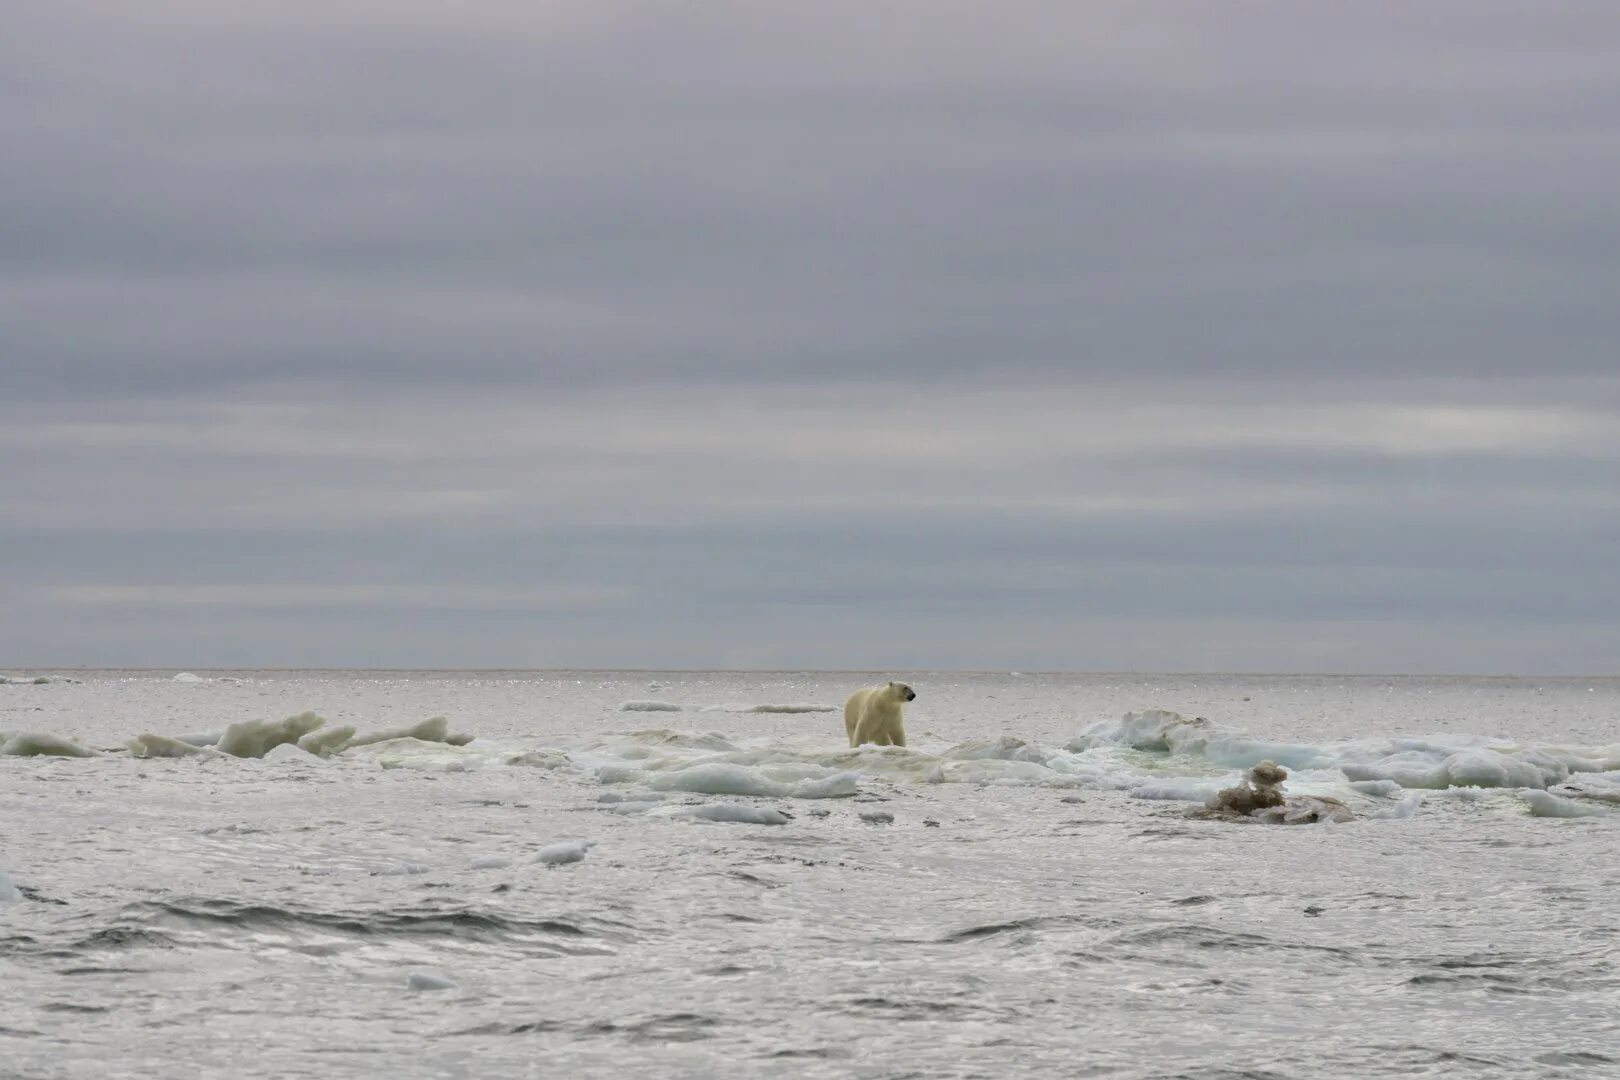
point(592, 670)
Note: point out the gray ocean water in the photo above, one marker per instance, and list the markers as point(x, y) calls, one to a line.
point(1024, 890)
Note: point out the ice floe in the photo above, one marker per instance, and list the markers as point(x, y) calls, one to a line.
point(567, 851)
point(256, 738)
point(41, 744)
point(1546, 804)
point(428, 980)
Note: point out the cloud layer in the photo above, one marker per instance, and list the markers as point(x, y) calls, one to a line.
point(1124, 335)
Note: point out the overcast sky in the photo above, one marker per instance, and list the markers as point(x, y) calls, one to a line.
point(1252, 336)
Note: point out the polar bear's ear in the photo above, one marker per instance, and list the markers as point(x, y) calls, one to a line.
point(891, 682)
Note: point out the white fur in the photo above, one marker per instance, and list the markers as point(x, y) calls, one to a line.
point(873, 715)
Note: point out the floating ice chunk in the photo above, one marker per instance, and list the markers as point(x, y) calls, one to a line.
point(1165, 732)
point(188, 677)
point(491, 862)
point(747, 815)
point(38, 744)
point(428, 980)
point(721, 778)
point(1422, 767)
point(1545, 804)
point(290, 752)
point(1487, 768)
point(568, 851)
point(1401, 810)
point(1306, 810)
point(328, 741)
point(540, 759)
point(434, 729)
point(255, 738)
point(631, 807)
point(1375, 787)
point(617, 774)
point(1604, 787)
point(1177, 789)
point(401, 869)
point(8, 891)
point(1004, 748)
point(202, 738)
point(649, 706)
point(161, 746)
point(1002, 772)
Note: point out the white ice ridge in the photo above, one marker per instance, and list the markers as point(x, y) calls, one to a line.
point(305, 735)
point(1436, 762)
point(256, 738)
point(188, 677)
point(40, 744)
point(435, 729)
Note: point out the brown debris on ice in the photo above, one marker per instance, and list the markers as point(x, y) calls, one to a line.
point(1259, 798)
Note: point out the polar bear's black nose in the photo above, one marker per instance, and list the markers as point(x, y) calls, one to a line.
point(911, 695)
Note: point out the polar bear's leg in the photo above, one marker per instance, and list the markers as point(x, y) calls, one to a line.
point(899, 736)
point(852, 713)
point(869, 729)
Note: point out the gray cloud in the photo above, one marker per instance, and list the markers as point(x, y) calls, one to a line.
point(1119, 336)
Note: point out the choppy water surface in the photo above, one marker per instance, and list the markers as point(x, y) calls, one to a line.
point(1022, 891)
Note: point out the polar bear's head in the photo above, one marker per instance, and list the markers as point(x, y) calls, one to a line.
point(901, 692)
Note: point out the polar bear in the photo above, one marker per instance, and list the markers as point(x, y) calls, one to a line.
point(873, 716)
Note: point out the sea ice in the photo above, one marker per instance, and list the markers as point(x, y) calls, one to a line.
point(567, 851)
point(747, 815)
point(721, 778)
point(327, 741)
point(255, 738)
point(1545, 804)
point(161, 746)
point(428, 980)
point(434, 729)
point(38, 744)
